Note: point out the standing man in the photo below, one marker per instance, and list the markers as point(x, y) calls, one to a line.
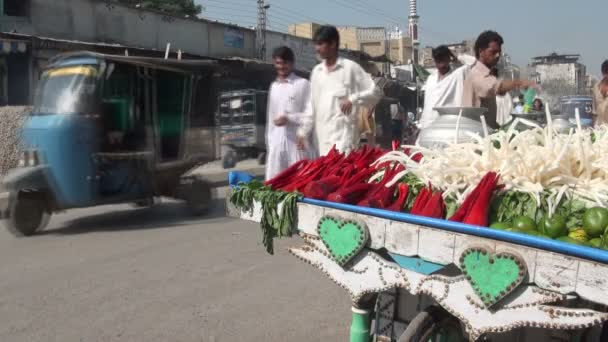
point(600, 97)
point(398, 117)
point(444, 87)
point(480, 85)
point(287, 100)
point(338, 88)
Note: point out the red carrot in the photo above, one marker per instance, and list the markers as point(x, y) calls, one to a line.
point(395, 145)
point(475, 208)
point(421, 201)
point(478, 214)
point(322, 188)
point(350, 195)
point(404, 190)
point(289, 172)
point(380, 196)
point(383, 198)
point(429, 203)
point(435, 207)
point(465, 207)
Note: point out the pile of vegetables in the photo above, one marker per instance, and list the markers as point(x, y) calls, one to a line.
point(537, 182)
point(338, 177)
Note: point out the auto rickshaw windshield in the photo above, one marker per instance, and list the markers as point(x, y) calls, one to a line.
point(67, 90)
point(584, 107)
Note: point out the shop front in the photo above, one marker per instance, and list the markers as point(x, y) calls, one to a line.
point(15, 58)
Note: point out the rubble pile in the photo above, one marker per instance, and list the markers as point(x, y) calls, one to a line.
point(11, 121)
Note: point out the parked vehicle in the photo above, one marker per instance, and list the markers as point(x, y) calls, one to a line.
point(241, 122)
point(569, 104)
point(111, 129)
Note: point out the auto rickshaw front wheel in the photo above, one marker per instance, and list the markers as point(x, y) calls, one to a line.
point(28, 214)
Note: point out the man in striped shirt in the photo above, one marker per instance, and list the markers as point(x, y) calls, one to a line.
point(287, 100)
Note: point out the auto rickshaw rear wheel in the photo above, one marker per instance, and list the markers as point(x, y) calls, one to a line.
point(28, 214)
point(229, 159)
point(196, 191)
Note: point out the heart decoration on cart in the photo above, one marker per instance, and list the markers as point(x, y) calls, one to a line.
point(344, 239)
point(492, 276)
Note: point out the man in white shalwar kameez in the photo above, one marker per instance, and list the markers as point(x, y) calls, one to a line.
point(287, 99)
point(339, 87)
point(444, 87)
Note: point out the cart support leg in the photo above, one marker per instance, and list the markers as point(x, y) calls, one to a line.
point(360, 328)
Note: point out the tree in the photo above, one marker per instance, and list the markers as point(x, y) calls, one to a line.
point(180, 7)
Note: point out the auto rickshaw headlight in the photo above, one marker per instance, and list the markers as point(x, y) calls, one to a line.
point(29, 158)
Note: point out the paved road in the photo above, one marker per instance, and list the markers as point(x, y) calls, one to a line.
point(121, 274)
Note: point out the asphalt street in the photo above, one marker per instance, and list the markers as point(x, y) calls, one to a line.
point(117, 273)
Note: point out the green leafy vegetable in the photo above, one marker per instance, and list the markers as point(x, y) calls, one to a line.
point(415, 186)
point(273, 223)
point(451, 205)
point(573, 210)
point(509, 205)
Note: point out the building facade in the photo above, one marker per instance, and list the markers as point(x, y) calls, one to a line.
point(36, 30)
point(304, 30)
point(374, 41)
point(563, 71)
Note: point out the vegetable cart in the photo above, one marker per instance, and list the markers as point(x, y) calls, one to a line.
point(418, 278)
point(418, 265)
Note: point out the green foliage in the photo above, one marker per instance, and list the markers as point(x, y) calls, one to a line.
point(507, 206)
point(415, 185)
point(178, 7)
point(273, 223)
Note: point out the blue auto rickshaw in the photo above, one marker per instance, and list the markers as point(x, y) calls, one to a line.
point(110, 129)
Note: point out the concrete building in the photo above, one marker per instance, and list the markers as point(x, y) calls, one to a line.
point(374, 41)
point(562, 71)
point(303, 30)
point(40, 29)
point(371, 40)
point(400, 50)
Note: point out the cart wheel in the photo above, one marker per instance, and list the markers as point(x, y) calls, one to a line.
point(262, 158)
point(229, 160)
point(433, 324)
point(28, 214)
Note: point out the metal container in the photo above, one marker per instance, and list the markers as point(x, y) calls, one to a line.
point(562, 123)
point(443, 130)
point(536, 118)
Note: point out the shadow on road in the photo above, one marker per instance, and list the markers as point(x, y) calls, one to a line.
point(163, 215)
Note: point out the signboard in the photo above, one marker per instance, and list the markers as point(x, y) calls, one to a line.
point(234, 37)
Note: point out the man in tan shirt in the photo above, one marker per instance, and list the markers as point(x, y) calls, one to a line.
point(600, 97)
point(481, 85)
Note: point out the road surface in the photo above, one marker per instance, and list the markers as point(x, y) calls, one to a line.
point(116, 273)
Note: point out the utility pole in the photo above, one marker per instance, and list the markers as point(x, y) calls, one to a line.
point(413, 28)
point(387, 49)
point(261, 30)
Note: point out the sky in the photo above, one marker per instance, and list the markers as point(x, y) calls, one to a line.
point(530, 27)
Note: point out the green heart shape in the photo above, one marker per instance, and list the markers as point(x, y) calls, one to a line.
point(492, 277)
point(344, 239)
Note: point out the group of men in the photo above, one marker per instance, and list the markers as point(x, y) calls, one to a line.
point(464, 83)
point(305, 119)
